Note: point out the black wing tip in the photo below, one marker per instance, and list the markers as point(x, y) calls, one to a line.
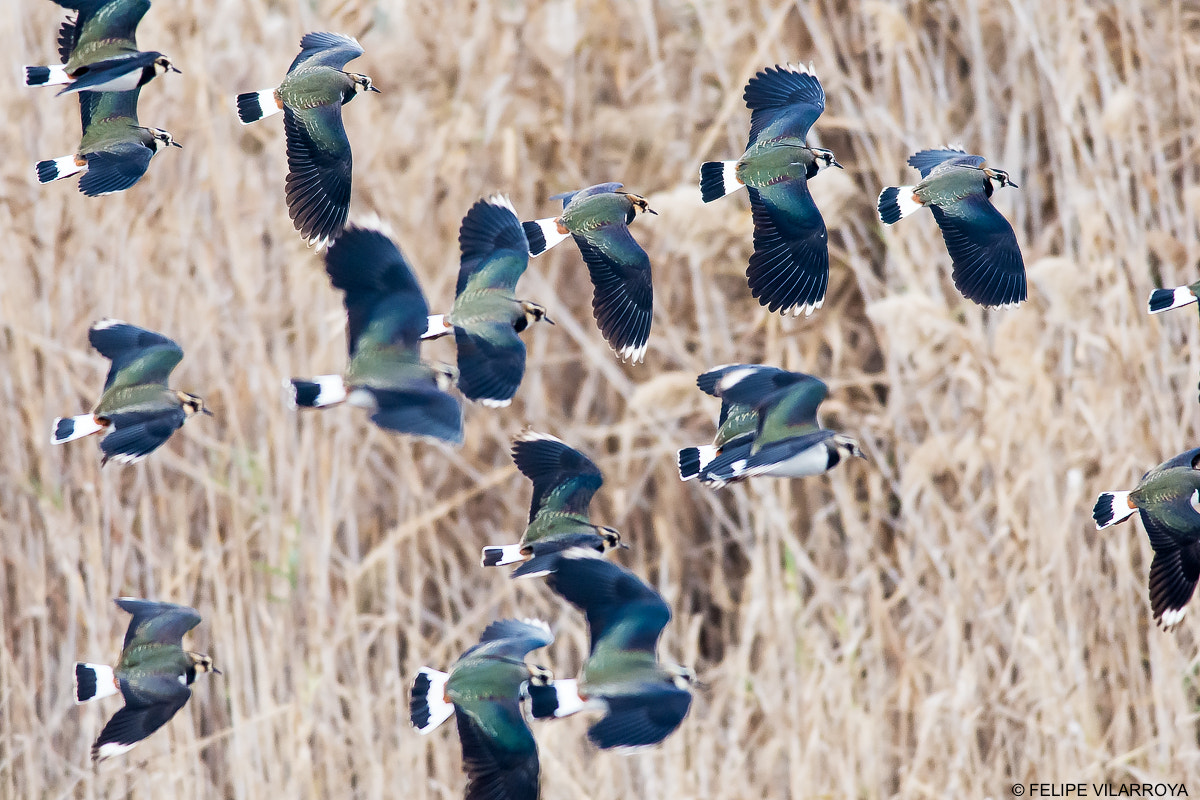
point(983, 288)
point(1173, 576)
point(489, 225)
point(782, 85)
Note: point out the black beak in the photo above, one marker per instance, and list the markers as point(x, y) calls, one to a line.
point(374, 89)
point(1013, 184)
point(175, 69)
point(650, 210)
point(836, 164)
point(546, 318)
point(623, 546)
point(176, 144)
point(206, 412)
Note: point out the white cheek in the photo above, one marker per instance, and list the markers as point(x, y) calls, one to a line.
point(183, 679)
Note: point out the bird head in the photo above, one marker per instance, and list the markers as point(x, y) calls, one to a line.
point(202, 663)
point(160, 139)
point(163, 65)
point(847, 446)
point(192, 404)
point(824, 158)
point(682, 677)
point(611, 538)
point(637, 205)
point(533, 313)
point(445, 376)
point(540, 676)
point(999, 177)
point(361, 83)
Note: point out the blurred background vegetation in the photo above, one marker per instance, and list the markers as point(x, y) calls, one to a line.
point(941, 621)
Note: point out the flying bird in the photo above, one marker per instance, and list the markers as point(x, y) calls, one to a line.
point(598, 218)
point(386, 316)
point(789, 269)
point(957, 188)
point(564, 482)
point(483, 691)
point(788, 442)
point(153, 674)
point(737, 423)
point(115, 150)
point(137, 409)
point(311, 97)
point(643, 700)
point(487, 317)
point(99, 50)
point(1168, 499)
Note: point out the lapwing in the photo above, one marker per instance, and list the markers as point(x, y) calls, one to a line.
point(598, 218)
point(99, 50)
point(789, 269)
point(737, 423)
point(153, 674)
point(564, 482)
point(137, 409)
point(788, 442)
point(487, 317)
point(1168, 499)
point(115, 151)
point(956, 187)
point(483, 690)
point(318, 153)
point(386, 316)
point(643, 700)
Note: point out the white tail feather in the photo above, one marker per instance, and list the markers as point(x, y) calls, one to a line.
point(68, 429)
point(569, 701)
point(1121, 509)
point(502, 555)
point(438, 326)
point(550, 232)
point(57, 75)
point(58, 168)
point(253, 106)
point(435, 698)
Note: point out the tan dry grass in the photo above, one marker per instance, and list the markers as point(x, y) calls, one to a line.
point(940, 622)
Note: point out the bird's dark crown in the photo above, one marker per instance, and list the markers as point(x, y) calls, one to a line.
point(611, 538)
point(533, 313)
point(637, 205)
point(362, 83)
point(162, 65)
point(192, 404)
point(160, 138)
point(1000, 177)
point(202, 663)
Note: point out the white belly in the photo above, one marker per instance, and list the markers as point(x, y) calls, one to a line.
point(807, 462)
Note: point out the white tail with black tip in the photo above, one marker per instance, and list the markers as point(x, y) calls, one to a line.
point(502, 555)
point(253, 106)
point(58, 168)
point(54, 75)
point(429, 706)
point(717, 179)
point(1111, 508)
point(93, 681)
point(1165, 299)
point(68, 429)
point(323, 390)
point(897, 202)
point(693, 460)
point(543, 234)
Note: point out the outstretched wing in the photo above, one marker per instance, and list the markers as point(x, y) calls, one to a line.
point(564, 479)
point(623, 300)
point(988, 267)
point(138, 356)
point(623, 613)
point(147, 709)
point(320, 165)
point(326, 49)
point(494, 250)
point(499, 753)
point(491, 361)
point(157, 623)
point(926, 160)
point(789, 268)
point(790, 412)
point(784, 102)
point(97, 107)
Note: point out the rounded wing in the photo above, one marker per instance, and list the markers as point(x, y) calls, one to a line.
point(599, 188)
point(491, 361)
point(784, 101)
point(623, 297)
point(116, 168)
point(136, 434)
point(494, 249)
point(326, 49)
point(789, 268)
point(138, 356)
point(927, 160)
point(790, 412)
point(99, 107)
point(150, 702)
point(499, 753)
point(564, 480)
point(646, 716)
point(623, 613)
point(512, 639)
point(384, 302)
point(100, 28)
point(156, 623)
point(988, 267)
point(320, 166)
